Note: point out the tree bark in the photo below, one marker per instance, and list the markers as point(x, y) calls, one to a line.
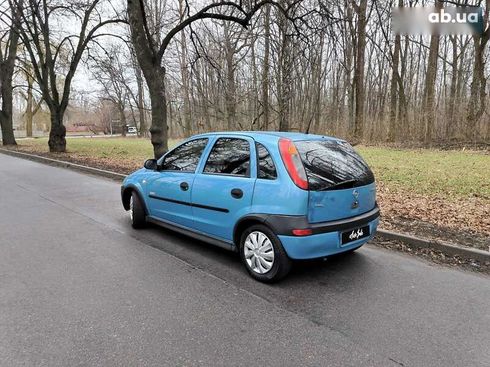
point(476, 105)
point(184, 73)
point(154, 75)
point(57, 133)
point(265, 69)
point(7, 64)
point(158, 98)
point(141, 103)
point(393, 124)
point(122, 119)
point(359, 69)
point(29, 106)
point(6, 120)
point(230, 95)
point(451, 119)
point(430, 89)
point(285, 69)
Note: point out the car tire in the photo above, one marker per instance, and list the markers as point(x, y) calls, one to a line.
point(258, 245)
point(137, 211)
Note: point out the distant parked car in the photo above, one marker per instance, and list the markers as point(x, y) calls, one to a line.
point(132, 130)
point(274, 197)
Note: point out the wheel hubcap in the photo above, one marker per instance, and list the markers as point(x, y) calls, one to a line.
point(131, 208)
point(259, 252)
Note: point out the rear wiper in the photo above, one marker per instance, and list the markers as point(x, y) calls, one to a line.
point(337, 185)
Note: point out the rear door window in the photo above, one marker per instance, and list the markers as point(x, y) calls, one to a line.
point(266, 167)
point(331, 165)
point(185, 157)
point(229, 156)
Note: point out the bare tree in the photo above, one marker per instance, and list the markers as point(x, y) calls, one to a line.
point(109, 73)
point(265, 68)
point(9, 37)
point(361, 11)
point(477, 102)
point(150, 52)
point(55, 61)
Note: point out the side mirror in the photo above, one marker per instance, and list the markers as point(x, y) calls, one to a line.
point(151, 164)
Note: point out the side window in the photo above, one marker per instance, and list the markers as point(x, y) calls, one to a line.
point(229, 156)
point(267, 169)
point(185, 157)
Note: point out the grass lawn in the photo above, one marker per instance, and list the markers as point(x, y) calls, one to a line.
point(455, 174)
point(426, 171)
point(102, 147)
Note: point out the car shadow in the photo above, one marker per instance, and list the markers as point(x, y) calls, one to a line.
point(347, 270)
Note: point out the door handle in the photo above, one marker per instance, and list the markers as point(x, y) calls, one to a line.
point(237, 193)
point(184, 186)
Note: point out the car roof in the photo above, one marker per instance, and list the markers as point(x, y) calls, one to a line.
point(271, 135)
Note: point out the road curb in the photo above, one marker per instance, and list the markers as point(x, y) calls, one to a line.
point(55, 162)
point(417, 242)
point(409, 240)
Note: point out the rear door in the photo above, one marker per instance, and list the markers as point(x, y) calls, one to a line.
point(169, 193)
point(223, 191)
point(341, 184)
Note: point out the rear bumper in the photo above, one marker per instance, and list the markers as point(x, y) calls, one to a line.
point(326, 238)
point(321, 245)
point(284, 224)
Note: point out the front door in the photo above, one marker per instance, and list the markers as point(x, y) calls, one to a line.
point(169, 192)
point(223, 192)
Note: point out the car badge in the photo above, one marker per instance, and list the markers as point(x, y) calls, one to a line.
point(355, 204)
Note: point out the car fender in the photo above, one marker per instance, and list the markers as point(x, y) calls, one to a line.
point(260, 218)
point(133, 187)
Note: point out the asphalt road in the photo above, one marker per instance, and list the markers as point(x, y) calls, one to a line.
point(79, 287)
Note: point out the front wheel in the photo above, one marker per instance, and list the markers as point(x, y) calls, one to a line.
point(263, 255)
point(137, 211)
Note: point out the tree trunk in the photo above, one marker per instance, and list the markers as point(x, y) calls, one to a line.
point(476, 105)
point(316, 93)
point(359, 69)
point(6, 121)
point(154, 75)
point(141, 102)
point(394, 90)
point(430, 89)
point(7, 64)
point(284, 86)
point(7, 130)
point(265, 69)
point(122, 118)
point(230, 98)
point(184, 73)
point(451, 119)
point(158, 129)
point(202, 97)
point(57, 134)
point(29, 106)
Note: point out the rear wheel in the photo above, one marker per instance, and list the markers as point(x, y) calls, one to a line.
point(263, 255)
point(137, 211)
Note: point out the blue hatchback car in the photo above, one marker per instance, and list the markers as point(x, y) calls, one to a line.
point(272, 196)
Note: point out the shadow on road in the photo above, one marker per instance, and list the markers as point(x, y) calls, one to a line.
point(337, 272)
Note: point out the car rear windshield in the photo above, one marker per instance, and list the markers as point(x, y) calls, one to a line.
point(332, 165)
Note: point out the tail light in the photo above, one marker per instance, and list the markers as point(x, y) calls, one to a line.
point(292, 160)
